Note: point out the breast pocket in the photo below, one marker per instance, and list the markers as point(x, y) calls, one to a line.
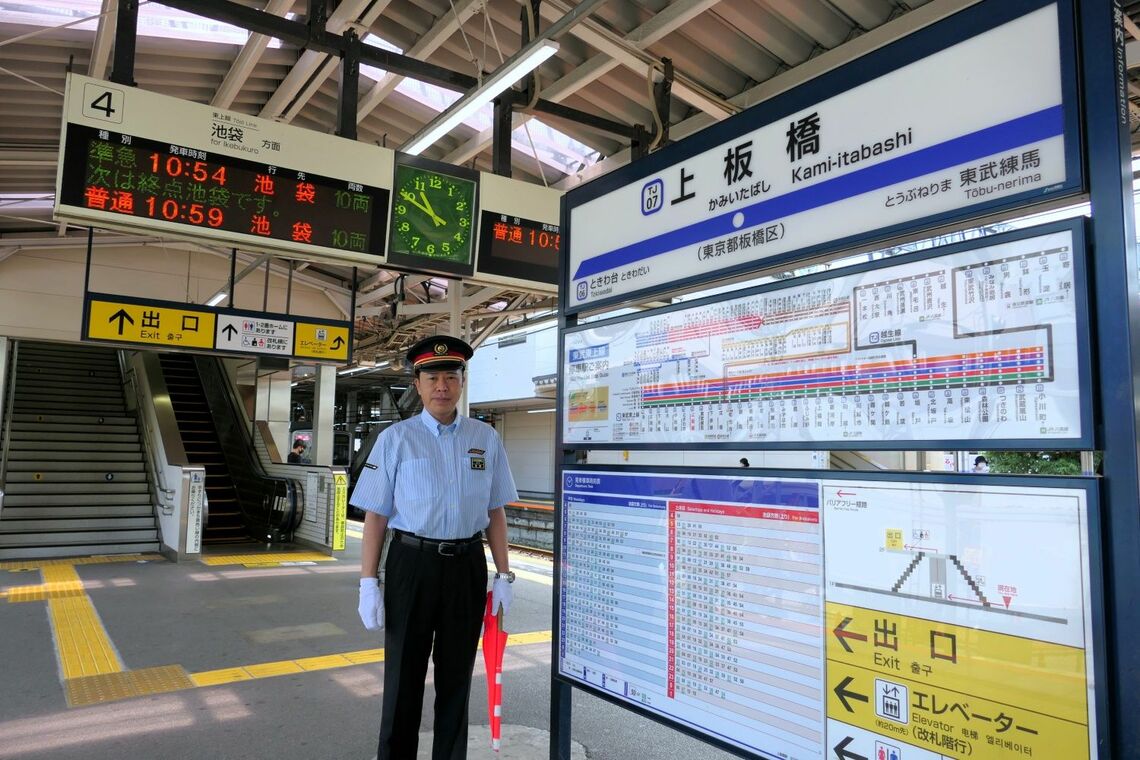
point(413, 483)
point(477, 478)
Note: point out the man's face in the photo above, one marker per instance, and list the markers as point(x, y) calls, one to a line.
point(439, 390)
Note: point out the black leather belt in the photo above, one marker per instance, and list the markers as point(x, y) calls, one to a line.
point(444, 547)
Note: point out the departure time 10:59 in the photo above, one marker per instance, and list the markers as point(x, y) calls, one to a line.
point(194, 213)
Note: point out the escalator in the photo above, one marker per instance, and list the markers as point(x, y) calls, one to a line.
point(226, 524)
point(244, 503)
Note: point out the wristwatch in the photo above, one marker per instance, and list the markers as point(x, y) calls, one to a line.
point(509, 575)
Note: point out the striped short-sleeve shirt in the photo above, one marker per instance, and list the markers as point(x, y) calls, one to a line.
point(437, 481)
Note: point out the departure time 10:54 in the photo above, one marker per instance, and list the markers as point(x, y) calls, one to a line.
point(199, 171)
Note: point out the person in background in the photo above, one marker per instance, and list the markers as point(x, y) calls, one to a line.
point(744, 462)
point(436, 481)
point(981, 464)
point(298, 449)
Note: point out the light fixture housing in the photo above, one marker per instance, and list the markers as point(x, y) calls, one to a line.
point(513, 69)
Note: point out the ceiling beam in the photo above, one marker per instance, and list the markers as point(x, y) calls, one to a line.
point(430, 41)
point(661, 24)
point(104, 40)
point(825, 62)
point(247, 59)
point(301, 76)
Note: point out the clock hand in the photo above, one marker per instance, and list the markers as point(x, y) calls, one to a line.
point(411, 198)
point(436, 218)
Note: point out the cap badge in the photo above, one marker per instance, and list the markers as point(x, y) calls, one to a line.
point(440, 349)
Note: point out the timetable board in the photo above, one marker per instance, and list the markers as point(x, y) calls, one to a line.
point(789, 616)
point(978, 341)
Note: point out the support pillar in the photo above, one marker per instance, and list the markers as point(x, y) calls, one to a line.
point(324, 409)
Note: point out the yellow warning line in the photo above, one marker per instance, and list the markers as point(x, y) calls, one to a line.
point(326, 662)
point(265, 559)
point(82, 644)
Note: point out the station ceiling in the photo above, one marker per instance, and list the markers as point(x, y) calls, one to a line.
point(727, 55)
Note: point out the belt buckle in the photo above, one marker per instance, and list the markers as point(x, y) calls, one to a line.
point(448, 548)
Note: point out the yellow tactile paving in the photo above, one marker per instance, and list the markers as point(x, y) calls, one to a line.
point(82, 644)
point(326, 662)
point(265, 559)
point(112, 687)
point(37, 564)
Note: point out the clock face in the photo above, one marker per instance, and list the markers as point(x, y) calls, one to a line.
point(432, 215)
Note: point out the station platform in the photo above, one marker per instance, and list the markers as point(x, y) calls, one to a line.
point(255, 655)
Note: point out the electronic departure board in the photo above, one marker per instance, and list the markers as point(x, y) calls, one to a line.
point(136, 160)
point(161, 182)
point(511, 246)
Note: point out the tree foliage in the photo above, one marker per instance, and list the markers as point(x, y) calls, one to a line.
point(1036, 462)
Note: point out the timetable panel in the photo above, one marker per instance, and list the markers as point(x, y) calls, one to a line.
point(981, 341)
point(699, 598)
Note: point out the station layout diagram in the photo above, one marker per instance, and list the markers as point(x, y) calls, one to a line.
point(980, 343)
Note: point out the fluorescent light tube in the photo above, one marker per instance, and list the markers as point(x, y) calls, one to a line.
point(217, 299)
point(513, 69)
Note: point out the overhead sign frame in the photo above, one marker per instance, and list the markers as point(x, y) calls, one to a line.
point(655, 252)
point(1001, 626)
point(992, 360)
point(109, 318)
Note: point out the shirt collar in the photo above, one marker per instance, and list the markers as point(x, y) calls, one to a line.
point(435, 427)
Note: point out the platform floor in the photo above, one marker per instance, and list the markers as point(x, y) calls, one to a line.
point(257, 656)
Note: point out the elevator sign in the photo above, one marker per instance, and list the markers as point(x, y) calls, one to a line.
point(986, 122)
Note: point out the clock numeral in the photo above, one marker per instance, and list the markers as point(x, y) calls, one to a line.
point(401, 209)
point(436, 183)
point(404, 226)
point(446, 246)
point(464, 222)
point(420, 184)
point(461, 206)
point(458, 237)
point(431, 248)
point(415, 241)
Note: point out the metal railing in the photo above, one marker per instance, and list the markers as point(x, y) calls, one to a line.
point(163, 493)
point(9, 404)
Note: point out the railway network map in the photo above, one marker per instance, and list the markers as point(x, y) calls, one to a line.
point(982, 343)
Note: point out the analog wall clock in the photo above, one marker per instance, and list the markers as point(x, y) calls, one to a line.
point(433, 216)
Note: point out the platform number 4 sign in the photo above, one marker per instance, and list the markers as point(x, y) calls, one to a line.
point(103, 103)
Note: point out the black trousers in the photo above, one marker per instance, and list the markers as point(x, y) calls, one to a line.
point(433, 605)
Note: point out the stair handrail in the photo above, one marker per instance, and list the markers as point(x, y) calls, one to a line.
point(165, 493)
point(9, 405)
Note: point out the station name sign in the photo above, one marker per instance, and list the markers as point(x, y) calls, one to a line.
point(876, 149)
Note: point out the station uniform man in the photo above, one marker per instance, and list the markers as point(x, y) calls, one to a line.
point(437, 481)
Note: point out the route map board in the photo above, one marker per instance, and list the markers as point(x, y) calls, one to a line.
point(978, 341)
point(698, 598)
point(931, 620)
point(975, 112)
point(958, 621)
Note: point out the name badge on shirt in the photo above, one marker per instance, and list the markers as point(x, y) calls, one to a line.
point(478, 463)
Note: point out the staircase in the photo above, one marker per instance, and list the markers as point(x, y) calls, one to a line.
point(76, 481)
point(203, 447)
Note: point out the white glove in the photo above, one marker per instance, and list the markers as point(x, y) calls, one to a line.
point(500, 595)
point(371, 607)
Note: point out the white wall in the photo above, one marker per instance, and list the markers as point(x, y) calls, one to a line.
point(507, 373)
point(529, 440)
point(41, 289)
